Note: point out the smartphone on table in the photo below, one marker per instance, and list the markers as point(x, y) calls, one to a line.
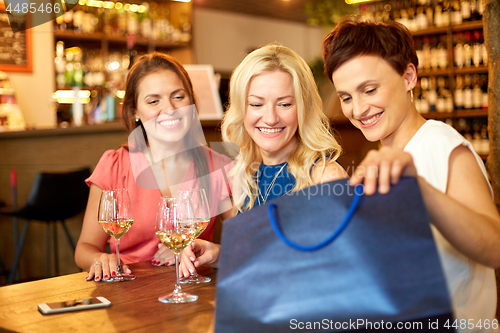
point(74, 305)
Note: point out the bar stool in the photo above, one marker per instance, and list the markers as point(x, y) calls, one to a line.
point(53, 197)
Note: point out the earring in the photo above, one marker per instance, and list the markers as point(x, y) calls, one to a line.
point(411, 95)
point(137, 120)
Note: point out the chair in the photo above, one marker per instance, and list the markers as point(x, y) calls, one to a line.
point(53, 197)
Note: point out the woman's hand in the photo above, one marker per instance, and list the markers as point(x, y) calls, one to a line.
point(104, 267)
point(381, 168)
point(163, 256)
point(199, 252)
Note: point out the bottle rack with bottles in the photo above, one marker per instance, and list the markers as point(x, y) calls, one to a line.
point(453, 63)
point(96, 44)
point(11, 117)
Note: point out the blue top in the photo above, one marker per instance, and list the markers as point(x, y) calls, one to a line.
point(269, 190)
point(274, 181)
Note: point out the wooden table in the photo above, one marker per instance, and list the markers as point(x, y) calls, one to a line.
point(134, 304)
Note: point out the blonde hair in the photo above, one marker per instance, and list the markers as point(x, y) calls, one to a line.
point(314, 136)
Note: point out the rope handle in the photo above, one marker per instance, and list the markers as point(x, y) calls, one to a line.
point(277, 229)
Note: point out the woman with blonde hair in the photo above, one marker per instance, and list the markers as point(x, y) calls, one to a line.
point(275, 116)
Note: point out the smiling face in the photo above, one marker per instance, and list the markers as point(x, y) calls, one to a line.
point(163, 105)
point(376, 99)
point(271, 115)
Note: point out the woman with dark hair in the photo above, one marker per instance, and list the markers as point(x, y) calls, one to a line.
point(374, 69)
point(166, 152)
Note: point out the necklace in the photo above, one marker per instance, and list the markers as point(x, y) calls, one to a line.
point(269, 188)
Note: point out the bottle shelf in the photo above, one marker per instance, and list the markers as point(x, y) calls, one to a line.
point(456, 114)
point(471, 70)
point(482, 69)
point(99, 36)
point(472, 25)
point(434, 72)
point(437, 115)
point(430, 31)
point(471, 113)
point(4, 91)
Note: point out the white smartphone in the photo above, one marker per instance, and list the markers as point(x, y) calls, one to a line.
point(74, 305)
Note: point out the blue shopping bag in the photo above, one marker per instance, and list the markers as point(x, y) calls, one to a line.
point(327, 259)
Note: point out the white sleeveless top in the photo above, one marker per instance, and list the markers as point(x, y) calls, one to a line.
point(472, 286)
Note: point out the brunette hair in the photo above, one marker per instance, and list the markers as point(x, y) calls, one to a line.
point(148, 64)
point(353, 37)
point(315, 140)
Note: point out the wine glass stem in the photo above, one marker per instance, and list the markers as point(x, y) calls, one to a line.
point(117, 245)
point(177, 284)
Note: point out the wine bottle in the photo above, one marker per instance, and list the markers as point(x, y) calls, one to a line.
point(468, 51)
point(422, 22)
point(484, 57)
point(459, 50)
point(445, 16)
point(465, 7)
point(477, 93)
point(441, 95)
point(426, 53)
point(474, 15)
point(467, 92)
point(477, 52)
point(442, 53)
point(438, 14)
point(432, 94)
point(480, 9)
point(434, 58)
point(458, 95)
point(424, 89)
point(429, 12)
point(484, 88)
point(456, 13)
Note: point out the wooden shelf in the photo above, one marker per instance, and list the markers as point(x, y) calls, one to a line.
point(437, 115)
point(430, 31)
point(68, 34)
point(473, 25)
point(435, 72)
point(471, 70)
point(99, 36)
point(471, 113)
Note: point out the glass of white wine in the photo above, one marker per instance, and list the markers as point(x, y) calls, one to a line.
point(202, 213)
point(176, 228)
point(115, 217)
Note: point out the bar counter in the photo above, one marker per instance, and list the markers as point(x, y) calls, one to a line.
point(58, 149)
point(134, 304)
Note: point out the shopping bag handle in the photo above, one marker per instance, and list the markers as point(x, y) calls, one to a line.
point(277, 229)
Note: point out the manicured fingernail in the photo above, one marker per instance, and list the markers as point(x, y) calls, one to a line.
point(89, 278)
point(191, 258)
point(97, 279)
point(191, 270)
point(113, 273)
point(105, 277)
point(166, 263)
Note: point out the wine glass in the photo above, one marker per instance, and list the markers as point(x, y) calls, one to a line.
point(202, 213)
point(115, 217)
point(176, 228)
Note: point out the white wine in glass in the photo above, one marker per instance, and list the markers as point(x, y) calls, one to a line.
point(115, 217)
point(202, 213)
point(176, 228)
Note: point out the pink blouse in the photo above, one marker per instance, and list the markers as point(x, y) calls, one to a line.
point(140, 243)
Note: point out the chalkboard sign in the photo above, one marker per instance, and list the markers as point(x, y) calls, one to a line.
point(15, 47)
